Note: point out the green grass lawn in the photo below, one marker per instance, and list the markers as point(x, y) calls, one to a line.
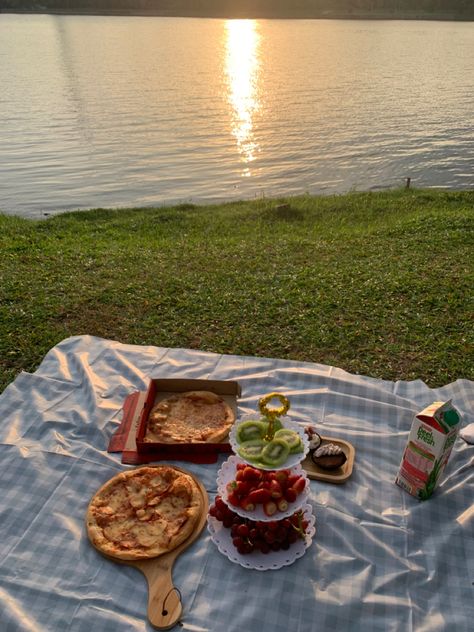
point(374, 283)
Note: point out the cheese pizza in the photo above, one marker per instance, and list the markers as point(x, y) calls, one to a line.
point(144, 512)
point(193, 416)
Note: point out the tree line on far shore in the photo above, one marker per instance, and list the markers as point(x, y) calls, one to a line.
point(448, 9)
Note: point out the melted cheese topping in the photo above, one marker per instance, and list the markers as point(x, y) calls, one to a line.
point(196, 416)
point(142, 511)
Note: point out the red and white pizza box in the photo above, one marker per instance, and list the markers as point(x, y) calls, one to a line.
point(129, 438)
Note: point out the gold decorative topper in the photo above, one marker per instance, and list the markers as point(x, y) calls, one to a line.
point(272, 413)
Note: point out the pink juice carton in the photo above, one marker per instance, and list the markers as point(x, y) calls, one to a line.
point(428, 448)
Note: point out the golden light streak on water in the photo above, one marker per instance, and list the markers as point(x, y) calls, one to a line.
point(242, 69)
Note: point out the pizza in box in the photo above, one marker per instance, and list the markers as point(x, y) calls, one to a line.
point(189, 417)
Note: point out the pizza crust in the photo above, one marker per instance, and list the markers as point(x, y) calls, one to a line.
point(190, 417)
point(144, 512)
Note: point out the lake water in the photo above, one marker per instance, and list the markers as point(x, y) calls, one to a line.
point(139, 111)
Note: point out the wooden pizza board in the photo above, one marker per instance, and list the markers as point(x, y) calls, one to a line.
point(338, 476)
point(164, 599)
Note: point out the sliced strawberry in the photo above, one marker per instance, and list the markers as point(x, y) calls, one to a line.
point(247, 505)
point(270, 508)
point(275, 489)
point(282, 504)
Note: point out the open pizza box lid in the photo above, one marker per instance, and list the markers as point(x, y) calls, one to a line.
point(129, 438)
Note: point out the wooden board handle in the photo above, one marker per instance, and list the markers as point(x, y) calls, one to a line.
point(164, 600)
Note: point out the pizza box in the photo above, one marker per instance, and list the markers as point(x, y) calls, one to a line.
point(159, 389)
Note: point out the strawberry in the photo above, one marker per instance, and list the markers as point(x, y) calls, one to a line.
point(290, 495)
point(251, 474)
point(292, 479)
point(260, 495)
point(242, 488)
point(233, 499)
point(270, 508)
point(299, 485)
point(247, 505)
point(282, 477)
point(275, 489)
point(231, 487)
point(282, 504)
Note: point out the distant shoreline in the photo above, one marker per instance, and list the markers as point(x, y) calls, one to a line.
point(380, 16)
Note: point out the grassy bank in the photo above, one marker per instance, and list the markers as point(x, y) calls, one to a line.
point(375, 283)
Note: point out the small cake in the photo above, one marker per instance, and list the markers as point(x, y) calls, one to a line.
point(329, 456)
point(313, 437)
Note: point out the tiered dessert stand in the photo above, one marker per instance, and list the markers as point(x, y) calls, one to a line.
point(221, 535)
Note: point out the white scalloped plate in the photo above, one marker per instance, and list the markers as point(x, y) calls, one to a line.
point(291, 461)
point(227, 473)
point(256, 560)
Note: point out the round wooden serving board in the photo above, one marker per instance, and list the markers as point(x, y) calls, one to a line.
point(164, 600)
point(338, 476)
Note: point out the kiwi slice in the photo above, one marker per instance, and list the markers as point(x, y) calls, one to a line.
point(275, 452)
point(251, 450)
point(297, 448)
point(249, 430)
point(277, 425)
point(292, 438)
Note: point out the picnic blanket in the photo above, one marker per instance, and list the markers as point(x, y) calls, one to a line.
point(380, 560)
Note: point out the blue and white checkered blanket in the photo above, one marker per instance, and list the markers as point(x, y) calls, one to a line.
point(380, 561)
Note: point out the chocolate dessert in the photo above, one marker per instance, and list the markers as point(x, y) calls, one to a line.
point(329, 456)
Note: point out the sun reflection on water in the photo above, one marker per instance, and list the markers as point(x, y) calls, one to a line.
point(242, 67)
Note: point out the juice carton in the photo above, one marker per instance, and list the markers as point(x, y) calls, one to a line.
point(429, 445)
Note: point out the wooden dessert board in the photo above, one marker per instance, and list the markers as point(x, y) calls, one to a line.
point(342, 474)
point(164, 599)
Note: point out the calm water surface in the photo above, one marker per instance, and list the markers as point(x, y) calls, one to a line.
point(122, 111)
